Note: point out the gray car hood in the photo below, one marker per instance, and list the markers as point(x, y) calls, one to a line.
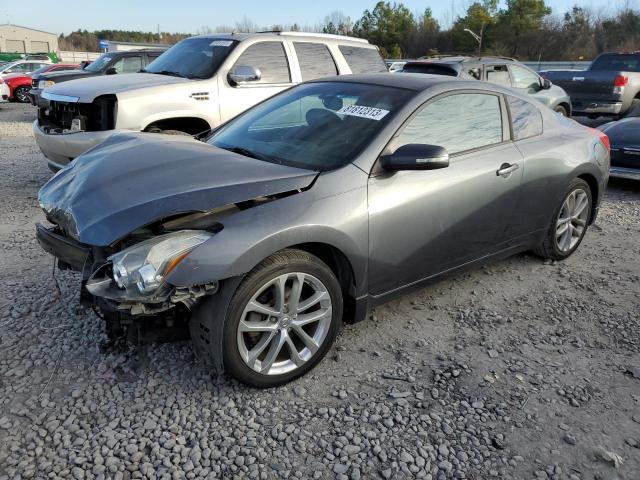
point(133, 180)
point(87, 89)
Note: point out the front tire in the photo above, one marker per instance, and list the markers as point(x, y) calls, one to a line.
point(21, 94)
point(281, 320)
point(569, 224)
point(561, 110)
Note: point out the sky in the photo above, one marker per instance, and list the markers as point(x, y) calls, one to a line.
point(64, 16)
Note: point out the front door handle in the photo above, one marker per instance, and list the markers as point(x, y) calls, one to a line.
point(507, 169)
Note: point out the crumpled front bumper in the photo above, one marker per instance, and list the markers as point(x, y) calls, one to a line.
point(61, 148)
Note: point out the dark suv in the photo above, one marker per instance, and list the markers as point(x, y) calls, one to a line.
point(106, 64)
point(501, 70)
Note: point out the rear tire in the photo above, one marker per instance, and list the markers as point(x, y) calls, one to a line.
point(278, 324)
point(634, 109)
point(569, 224)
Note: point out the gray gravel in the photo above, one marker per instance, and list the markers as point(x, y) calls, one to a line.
point(516, 370)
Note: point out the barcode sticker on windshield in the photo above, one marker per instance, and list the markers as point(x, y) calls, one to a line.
point(371, 113)
point(221, 43)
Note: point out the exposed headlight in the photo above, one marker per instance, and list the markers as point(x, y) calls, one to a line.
point(45, 83)
point(146, 264)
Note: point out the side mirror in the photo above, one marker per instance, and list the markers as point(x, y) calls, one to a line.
point(546, 84)
point(244, 74)
point(416, 156)
point(110, 71)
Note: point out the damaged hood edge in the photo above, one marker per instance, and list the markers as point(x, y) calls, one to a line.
point(133, 180)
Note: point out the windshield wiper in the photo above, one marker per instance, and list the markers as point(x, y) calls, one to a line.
point(246, 152)
point(170, 73)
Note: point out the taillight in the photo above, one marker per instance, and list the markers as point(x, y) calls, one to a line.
point(621, 81)
point(603, 138)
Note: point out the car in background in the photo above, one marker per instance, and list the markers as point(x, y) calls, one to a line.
point(22, 66)
point(294, 216)
point(18, 85)
point(609, 87)
point(109, 63)
point(196, 85)
point(395, 66)
point(500, 70)
point(624, 136)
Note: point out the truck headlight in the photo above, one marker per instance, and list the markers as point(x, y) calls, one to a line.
point(145, 265)
point(46, 83)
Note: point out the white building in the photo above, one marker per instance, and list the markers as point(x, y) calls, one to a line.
point(17, 39)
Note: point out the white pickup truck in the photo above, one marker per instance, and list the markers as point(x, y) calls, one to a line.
point(194, 86)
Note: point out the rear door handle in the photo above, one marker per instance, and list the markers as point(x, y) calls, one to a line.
point(507, 169)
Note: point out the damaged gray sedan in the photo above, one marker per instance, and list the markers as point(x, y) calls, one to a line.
point(313, 207)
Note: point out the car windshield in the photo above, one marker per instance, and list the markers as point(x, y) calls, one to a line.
point(42, 70)
point(193, 58)
point(317, 126)
point(100, 63)
point(619, 62)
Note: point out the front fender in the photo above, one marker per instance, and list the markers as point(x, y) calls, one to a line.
point(313, 216)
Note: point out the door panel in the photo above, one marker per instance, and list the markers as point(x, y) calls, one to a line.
point(425, 222)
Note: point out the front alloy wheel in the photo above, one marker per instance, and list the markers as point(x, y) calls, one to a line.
point(22, 94)
point(284, 323)
point(276, 325)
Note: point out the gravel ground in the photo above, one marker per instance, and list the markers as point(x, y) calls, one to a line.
point(522, 369)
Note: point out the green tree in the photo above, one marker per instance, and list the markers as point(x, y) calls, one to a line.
point(480, 16)
point(387, 25)
point(519, 20)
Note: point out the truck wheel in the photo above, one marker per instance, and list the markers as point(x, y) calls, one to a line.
point(280, 321)
point(167, 132)
point(569, 224)
point(561, 110)
point(21, 94)
point(634, 109)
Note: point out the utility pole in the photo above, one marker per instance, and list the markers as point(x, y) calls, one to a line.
point(477, 37)
point(158, 33)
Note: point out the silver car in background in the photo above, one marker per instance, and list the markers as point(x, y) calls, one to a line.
point(499, 70)
point(315, 206)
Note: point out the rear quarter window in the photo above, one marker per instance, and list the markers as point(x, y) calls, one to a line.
point(430, 68)
point(526, 119)
point(363, 60)
point(315, 60)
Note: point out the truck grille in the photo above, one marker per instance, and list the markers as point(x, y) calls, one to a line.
point(94, 117)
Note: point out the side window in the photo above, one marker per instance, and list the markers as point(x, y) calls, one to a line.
point(315, 60)
point(363, 60)
point(498, 74)
point(525, 118)
point(458, 122)
point(129, 65)
point(21, 67)
point(524, 78)
point(270, 58)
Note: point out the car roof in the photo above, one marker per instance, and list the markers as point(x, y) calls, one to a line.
point(463, 58)
point(417, 82)
point(291, 35)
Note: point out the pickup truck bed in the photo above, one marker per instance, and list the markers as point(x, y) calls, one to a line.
point(609, 87)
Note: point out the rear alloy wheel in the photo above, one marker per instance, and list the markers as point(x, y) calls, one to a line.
point(570, 223)
point(561, 110)
point(21, 94)
point(282, 319)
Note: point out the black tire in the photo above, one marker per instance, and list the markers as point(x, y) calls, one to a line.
point(216, 324)
point(21, 95)
point(549, 248)
point(634, 109)
point(561, 110)
point(167, 132)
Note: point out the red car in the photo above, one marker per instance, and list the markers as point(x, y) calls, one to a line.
point(17, 85)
